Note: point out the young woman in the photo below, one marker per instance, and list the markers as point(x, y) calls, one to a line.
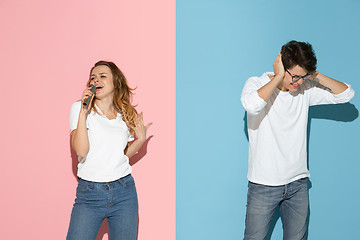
point(101, 133)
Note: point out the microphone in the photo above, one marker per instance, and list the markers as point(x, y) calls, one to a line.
point(93, 89)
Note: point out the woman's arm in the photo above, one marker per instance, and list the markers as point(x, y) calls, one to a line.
point(140, 132)
point(79, 136)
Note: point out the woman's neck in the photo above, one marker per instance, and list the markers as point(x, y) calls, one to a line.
point(106, 105)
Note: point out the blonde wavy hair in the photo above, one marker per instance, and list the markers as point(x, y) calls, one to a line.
point(122, 96)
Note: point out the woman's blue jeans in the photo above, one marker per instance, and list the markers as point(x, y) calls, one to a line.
point(262, 201)
point(116, 201)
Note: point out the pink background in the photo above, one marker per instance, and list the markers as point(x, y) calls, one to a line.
point(47, 49)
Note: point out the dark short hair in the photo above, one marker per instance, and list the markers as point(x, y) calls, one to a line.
point(298, 53)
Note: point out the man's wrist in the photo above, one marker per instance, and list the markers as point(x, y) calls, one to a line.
point(278, 78)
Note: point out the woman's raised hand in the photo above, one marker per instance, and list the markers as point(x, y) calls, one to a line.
point(140, 129)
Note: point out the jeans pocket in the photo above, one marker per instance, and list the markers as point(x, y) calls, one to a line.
point(305, 179)
point(129, 182)
point(302, 181)
point(83, 187)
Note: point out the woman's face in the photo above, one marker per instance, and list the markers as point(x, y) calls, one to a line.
point(102, 78)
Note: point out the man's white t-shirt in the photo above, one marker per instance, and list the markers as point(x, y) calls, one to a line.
point(105, 161)
point(278, 129)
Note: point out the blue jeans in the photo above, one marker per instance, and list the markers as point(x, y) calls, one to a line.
point(116, 201)
point(293, 201)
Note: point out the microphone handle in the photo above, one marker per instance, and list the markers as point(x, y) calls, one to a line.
point(93, 89)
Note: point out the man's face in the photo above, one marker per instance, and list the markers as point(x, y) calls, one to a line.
point(293, 73)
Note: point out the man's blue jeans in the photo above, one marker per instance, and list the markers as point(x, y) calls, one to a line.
point(293, 200)
point(116, 201)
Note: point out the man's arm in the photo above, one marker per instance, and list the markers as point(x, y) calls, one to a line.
point(335, 86)
point(267, 90)
point(254, 98)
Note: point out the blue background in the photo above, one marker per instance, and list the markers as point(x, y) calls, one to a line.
point(220, 44)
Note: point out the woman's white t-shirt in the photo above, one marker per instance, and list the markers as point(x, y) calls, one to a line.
point(105, 161)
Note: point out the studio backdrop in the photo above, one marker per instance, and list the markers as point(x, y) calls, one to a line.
point(49, 47)
point(47, 50)
point(219, 45)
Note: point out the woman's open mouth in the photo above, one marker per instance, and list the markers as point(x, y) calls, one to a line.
point(99, 88)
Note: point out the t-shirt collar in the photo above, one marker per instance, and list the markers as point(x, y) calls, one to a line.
point(102, 114)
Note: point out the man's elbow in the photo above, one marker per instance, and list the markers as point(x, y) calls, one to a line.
point(253, 111)
point(251, 108)
point(346, 95)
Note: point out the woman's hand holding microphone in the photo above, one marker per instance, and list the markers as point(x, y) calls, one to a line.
point(87, 98)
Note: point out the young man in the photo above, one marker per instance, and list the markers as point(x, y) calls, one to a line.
point(277, 107)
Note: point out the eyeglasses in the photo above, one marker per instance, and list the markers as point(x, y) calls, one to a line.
point(296, 78)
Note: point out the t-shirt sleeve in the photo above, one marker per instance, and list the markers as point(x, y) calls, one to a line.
point(74, 115)
point(131, 137)
point(319, 95)
point(250, 98)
